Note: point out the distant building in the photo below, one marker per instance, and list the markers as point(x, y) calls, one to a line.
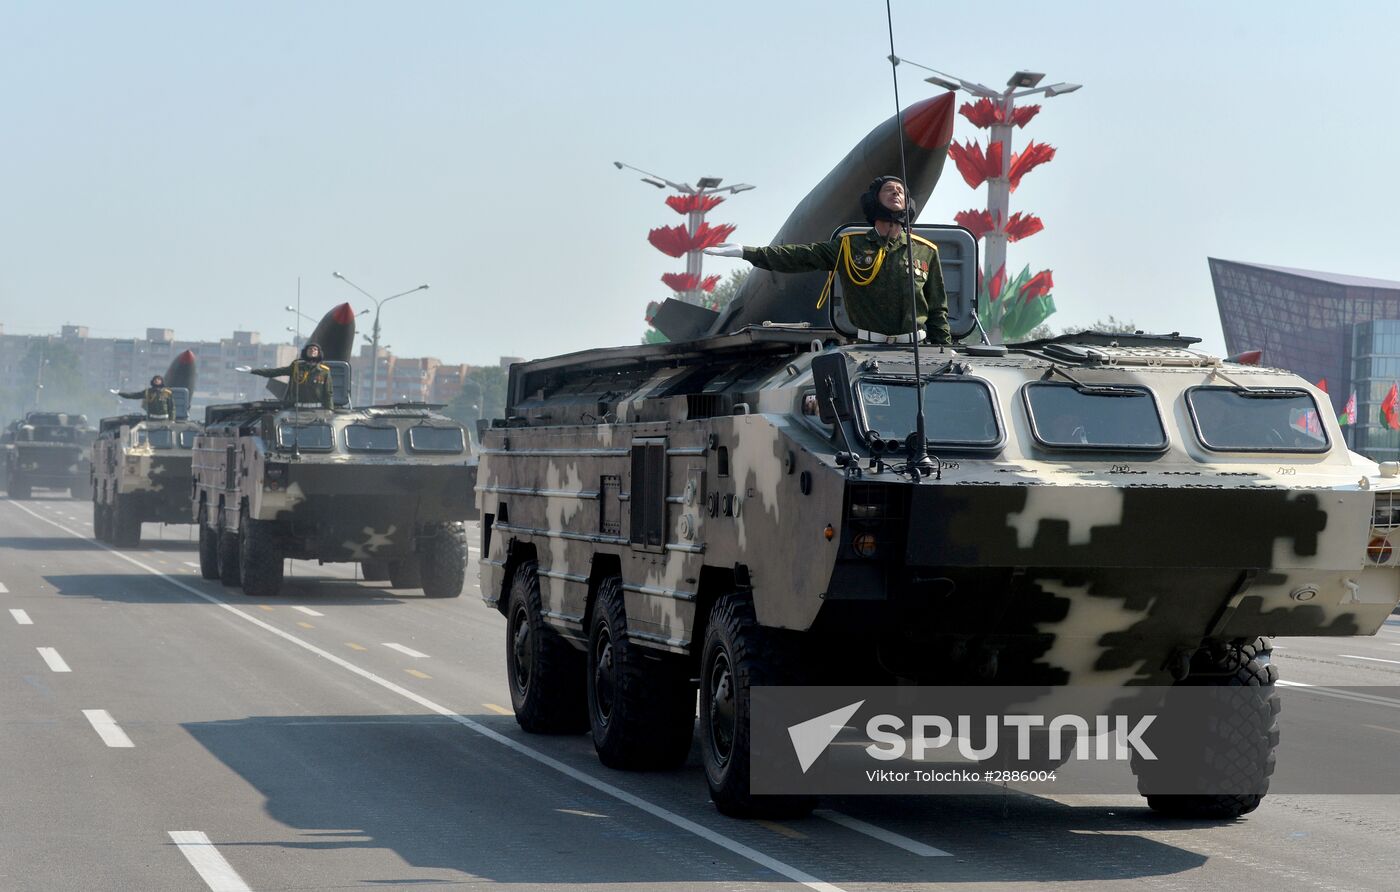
point(1344, 329)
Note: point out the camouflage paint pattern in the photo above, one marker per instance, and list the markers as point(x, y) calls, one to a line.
point(127, 465)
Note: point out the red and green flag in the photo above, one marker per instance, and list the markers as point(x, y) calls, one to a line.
point(1389, 409)
point(1348, 415)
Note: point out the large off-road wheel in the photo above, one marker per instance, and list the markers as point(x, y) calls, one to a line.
point(545, 672)
point(442, 560)
point(208, 547)
point(374, 571)
point(126, 524)
point(641, 704)
point(406, 572)
point(739, 654)
point(1233, 745)
point(99, 522)
point(227, 547)
point(260, 561)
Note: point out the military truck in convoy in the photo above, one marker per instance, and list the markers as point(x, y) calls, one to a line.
point(46, 450)
point(743, 509)
point(141, 471)
point(385, 486)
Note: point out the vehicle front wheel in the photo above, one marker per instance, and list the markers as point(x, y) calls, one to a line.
point(546, 674)
point(374, 571)
point(442, 560)
point(208, 548)
point(227, 545)
point(406, 573)
point(126, 524)
point(740, 654)
point(260, 561)
point(641, 705)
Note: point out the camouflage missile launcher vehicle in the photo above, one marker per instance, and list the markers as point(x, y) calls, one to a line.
point(141, 471)
point(46, 450)
point(385, 486)
point(742, 510)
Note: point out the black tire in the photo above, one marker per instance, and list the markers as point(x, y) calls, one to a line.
point(1237, 750)
point(99, 522)
point(545, 673)
point(260, 562)
point(126, 524)
point(641, 704)
point(374, 571)
point(227, 543)
point(738, 655)
point(442, 560)
point(406, 573)
point(208, 547)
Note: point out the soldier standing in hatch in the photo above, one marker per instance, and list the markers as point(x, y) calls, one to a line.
point(308, 378)
point(156, 400)
point(874, 268)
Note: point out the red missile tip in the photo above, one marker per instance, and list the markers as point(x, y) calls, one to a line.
point(1248, 357)
point(343, 314)
point(186, 358)
point(930, 123)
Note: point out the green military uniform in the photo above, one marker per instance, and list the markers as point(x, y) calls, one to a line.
point(154, 400)
point(308, 381)
point(874, 278)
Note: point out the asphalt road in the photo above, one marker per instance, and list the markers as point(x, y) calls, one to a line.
point(162, 732)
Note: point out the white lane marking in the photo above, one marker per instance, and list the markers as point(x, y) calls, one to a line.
point(1338, 694)
point(782, 868)
point(211, 866)
point(3, 590)
point(307, 610)
point(21, 617)
point(190, 564)
point(107, 728)
point(1370, 659)
point(406, 651)
point(880, 833)
point(56, 662)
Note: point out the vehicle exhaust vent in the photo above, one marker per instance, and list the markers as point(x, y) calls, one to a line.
point(707, 405)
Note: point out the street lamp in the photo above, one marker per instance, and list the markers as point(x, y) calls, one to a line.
point(1019, 85)
point(374, 341)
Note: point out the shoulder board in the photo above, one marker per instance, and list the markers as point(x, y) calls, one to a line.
point(923, 241)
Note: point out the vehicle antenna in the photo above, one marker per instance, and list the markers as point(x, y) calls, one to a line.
point(292, 380)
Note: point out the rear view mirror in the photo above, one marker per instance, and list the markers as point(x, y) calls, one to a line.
point(833, 382)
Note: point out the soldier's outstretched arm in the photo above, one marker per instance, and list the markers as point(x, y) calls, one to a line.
point(784, 258)
point(269, 373)
point(130, 394)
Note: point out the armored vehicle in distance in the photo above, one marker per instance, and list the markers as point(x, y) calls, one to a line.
point(1103, 510)
point(141, 472)
point(386, 486)
point(46, 450)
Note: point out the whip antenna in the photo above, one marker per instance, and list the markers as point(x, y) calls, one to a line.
point(920, 464)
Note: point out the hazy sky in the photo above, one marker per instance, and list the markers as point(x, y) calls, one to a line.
point(181, 164)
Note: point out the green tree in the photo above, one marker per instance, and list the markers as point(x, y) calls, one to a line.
point(49, 377)
point(1110, 325)
point(483, 395)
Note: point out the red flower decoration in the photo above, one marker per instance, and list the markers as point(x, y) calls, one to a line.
point(687, 204)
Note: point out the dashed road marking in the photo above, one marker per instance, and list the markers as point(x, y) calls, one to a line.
point(880, 833)
point(406, 651)
point(416, 674)
point(307, 610)
point(3, 590)
point(266, 607)
point(353, 646)
point(190, 564)
point(1369, 659)
point(306, 625)
point(107, 728)
point(56, 662)
point(781, 829)
point(22, 617)
point(659, 812)
point(211, 866)
point(498, 710)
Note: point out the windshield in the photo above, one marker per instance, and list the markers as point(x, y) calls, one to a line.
point(187, 439)
point(435, 439)
point(364, 438)
point(1230, 419)
point(1068, 417)
point(304, 436)
point(161, 438)
point(957, 412)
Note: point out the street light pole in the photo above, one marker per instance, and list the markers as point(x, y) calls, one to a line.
point(374, 340)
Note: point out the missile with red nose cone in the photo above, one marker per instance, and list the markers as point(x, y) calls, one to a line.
point(771, 297)
point(335, 333)
point(181, 372)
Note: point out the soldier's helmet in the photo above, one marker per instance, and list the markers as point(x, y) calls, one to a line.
point(157, 380)
point(312, 351)
point(874, 209)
